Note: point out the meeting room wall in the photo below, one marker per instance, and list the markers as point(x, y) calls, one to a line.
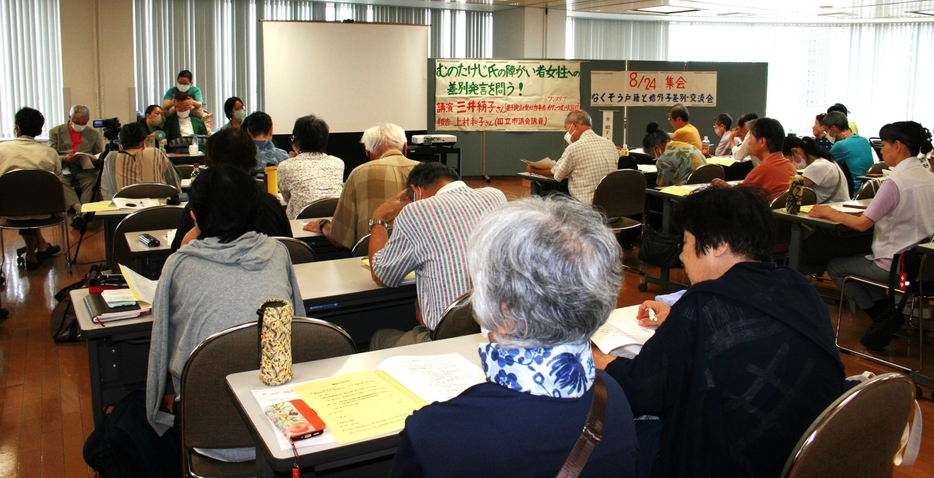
point(741, 88)
point(97, 58)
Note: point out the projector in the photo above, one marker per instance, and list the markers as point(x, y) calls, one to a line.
point(430, 139)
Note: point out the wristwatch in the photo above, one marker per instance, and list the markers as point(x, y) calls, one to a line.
point(381, 222)
point(322, 223)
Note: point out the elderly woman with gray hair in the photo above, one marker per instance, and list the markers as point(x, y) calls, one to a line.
point(546, 274)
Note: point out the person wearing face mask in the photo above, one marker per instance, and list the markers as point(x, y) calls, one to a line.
point(312, 173)
point(675, 160)
point(181, 123)
point(431, 220)
point(69, 139)
point(154, 120)
point(822, 173)
point(587, 159)
point(183, 84)
point(235, 112)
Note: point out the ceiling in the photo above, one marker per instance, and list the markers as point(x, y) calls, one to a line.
point(710, 10)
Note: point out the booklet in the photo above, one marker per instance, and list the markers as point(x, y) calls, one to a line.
point(102, 313)
point(622, 335)
point(546, 163)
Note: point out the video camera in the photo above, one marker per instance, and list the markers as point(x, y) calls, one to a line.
point(111, 127)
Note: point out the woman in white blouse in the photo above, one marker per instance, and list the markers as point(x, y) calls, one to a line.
point(312, 174)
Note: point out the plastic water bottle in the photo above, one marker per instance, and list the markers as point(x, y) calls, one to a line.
point(195, 171)
point(705, 147)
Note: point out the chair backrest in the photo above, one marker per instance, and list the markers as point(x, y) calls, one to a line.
point(877, 168)
point(299, 252)
point(869, 189)
point(184, 170)
point(31, 192)
point(706, 173)
point(157, 217)
point(457, 320)
point(147, 190)
point(858, 434)
point(208, 415)
point(621, 194)
point(876, 144)
point(319, 208)
point(808, 198)
point(361, 248)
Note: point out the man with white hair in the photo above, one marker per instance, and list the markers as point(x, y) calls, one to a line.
point(368, 185)
point(68, 140)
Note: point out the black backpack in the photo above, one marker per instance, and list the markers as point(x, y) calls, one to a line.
point(63, 320)
point(127, 446)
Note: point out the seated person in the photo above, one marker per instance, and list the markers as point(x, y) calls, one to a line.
point(740, 134)
point(235, 112)
point(369, 185)
point(212, 283)
point(790, 143)
point(436, 214)
point(721, 126)
point(822, 173)
point(181, 123)
point(684, 131)
point(135, 163)
point(235, 148)
point(26, 153)
point(840, 108)
point(675, 160)
point(312, 174)
point(743, 362)
point(259, 127)
point(849, 148)
point(820, 136)
point(547, 273)
point(154, 120)
point(903, 215)
point(183, 84)
point(69, 139)
point(773, 172)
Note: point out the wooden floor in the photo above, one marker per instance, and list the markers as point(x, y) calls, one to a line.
point(45, 403)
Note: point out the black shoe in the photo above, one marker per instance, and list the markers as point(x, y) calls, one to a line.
point(31, 266)
point(49, 252)
point(879, 311)
point(880, 334)
point(77, 222)
point(4, 314)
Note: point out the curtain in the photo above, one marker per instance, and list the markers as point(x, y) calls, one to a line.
point(591, 39)
point(219, 41)
point(31, 70)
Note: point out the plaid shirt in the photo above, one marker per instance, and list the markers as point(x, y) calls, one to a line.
point(430, 237)
point(585, 162)
point(368, 186)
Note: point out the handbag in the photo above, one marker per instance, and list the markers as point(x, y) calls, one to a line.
point(660, 249)
point(591, 436)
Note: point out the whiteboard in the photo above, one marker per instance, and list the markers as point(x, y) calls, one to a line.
point(352, 75)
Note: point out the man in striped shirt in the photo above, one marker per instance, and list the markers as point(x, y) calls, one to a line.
point(434, 217)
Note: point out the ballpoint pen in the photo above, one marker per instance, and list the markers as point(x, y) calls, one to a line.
point(652, 316)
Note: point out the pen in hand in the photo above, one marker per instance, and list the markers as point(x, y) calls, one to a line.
point(652, 316)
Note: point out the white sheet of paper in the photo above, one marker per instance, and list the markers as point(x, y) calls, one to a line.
point(119, 297)
point(144, 289)
point(283, 393)
point(434, 378)
point(135, 203)
point(622, 331)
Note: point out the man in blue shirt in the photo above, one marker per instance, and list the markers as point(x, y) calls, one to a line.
point(850, 149)
point(259, 127)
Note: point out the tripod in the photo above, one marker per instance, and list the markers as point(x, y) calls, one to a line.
point(86, 217)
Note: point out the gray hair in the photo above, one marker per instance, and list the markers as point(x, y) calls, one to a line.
point(579, 117)
point(79, 110)
point(383, 136)
point(837, 119)
point(545, 271)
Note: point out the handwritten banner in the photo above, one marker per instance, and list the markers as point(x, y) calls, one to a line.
point(505, 95)
point(653, 88)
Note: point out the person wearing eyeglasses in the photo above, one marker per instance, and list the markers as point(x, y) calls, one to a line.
point(721, 126)
point(311, 174)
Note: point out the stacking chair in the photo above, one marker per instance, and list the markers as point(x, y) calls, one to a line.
point(361, 248)
point(208, 416)
point(706, 173)
point(619, 196)
point(157, 217)
point(877, 168)
point(859, 434)
point(299, 251)
point(319, 208)
point(184, 170)
point(869, 189)
point(921, 286)
point(33, 192)
point(147, 190)
point(808, 198)
point(457, 320)
point(876, 144)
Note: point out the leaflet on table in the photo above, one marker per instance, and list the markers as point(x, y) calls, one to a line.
point(546, 163)
point(144, 289)
point(270, 396)
point(622, 335)
point(842, 207)
point(647, 168)
point(135, 203)
point(119, 297)
point(409, 278)
point(98, 206)
point(725, 162)
point(365, 405)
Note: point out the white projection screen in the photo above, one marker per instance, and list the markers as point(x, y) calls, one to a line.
point(353, 75)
